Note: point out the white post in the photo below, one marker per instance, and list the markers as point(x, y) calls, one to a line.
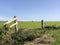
point(16, 26)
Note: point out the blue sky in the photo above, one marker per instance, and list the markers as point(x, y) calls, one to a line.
point(28, 10)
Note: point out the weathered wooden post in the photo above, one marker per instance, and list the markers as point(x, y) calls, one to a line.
point(13, 25)
point(16, 26)
point(42, 24)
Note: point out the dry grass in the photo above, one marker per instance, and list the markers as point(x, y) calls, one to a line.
point(43, 40)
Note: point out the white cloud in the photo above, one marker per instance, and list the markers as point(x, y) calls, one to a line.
point(2, 18)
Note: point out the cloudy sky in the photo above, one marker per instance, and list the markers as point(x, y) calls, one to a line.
point(28, 10)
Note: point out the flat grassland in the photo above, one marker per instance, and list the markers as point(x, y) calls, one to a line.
point(31, 25)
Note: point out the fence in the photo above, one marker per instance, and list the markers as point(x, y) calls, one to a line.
point(16, 24)
point(13, 25)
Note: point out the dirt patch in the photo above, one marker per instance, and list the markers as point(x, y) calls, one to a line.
point(44, 40)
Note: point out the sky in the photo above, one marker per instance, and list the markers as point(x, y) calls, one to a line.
point(28, 10)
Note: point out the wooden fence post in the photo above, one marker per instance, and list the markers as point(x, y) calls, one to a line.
point(16, 26)
point(13, 25)
point(42, 24)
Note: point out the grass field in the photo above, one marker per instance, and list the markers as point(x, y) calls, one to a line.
point(36, 24)
point(32, 25)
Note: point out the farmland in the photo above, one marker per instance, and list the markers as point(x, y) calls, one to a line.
point(34, 29)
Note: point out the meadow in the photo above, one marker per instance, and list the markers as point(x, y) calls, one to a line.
point(33, 24)
point(34, 28)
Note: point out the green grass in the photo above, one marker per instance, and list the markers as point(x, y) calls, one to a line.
point(32, 25)
point(29, 25)
point(55, 34)
point(1, 24)
point(36, 24)
point(53, 23)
